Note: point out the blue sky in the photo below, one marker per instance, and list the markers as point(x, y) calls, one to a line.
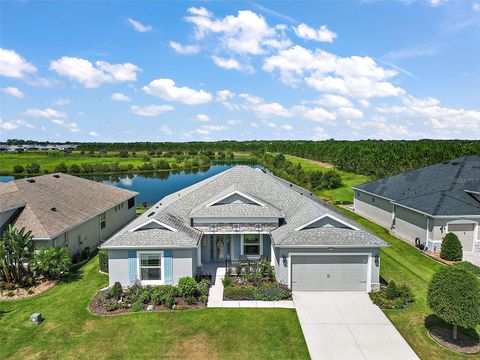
point(181, 71)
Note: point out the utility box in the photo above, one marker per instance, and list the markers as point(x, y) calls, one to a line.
point(36, 318)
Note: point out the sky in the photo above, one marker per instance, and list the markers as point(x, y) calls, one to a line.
point(209, 70)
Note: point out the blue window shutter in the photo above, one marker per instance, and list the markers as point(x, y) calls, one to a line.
point(266, 245)
point(236, 246)
point(212, 245)
point(132, 266)
point(168, 264)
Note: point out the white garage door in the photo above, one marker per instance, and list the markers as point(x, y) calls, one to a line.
point(464, 233)
point(329, 273)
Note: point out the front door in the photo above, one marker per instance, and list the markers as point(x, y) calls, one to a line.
point(222, 247)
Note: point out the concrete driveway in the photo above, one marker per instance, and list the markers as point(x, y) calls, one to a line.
point(347, 325)
point(473, 257)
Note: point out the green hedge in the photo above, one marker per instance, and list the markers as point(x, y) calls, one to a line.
point(103, 260)
point(451, 248)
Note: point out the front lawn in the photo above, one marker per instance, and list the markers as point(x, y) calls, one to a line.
point(403, 263)
point(71, 332)
point(343, 194)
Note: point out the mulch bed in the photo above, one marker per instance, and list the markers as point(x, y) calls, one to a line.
point(436, 256)
point(23, 293)
point(97, 305)
point(464, 344)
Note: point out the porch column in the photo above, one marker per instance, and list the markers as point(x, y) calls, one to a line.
point(273, 257)
point(199, 254)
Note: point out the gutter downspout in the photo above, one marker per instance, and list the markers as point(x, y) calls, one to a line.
point(428, 230)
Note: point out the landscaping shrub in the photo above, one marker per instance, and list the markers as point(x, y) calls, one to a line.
point(392, 296)
point(272, 292)
point(240, 292)
point(266, 269)
point(115, 292)
point(111, 306)
point(51, 262)
point(202, 287)
point(18, 169)
point(187, 287)
point(451, 248)
point(203, 299)
point(465, 265)
point(227, 281)
point(33, 168)
point(169, 298)
point(136, 307)
point(454, 296)
point(61, 168)
point(85, 253)
point(103, 260)
point(145, 295)
point(190, 299)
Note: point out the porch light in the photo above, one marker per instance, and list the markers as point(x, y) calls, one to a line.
point(284, 259)
point(377, 259)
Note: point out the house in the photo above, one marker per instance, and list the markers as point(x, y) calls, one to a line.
point(65, 210)
point(423, 205)
point(245, 213)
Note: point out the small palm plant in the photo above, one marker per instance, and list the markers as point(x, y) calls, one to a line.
point(16, 250)
point(52, 262)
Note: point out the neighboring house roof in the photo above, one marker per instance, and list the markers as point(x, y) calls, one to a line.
point(278, 199)
point(55, 203)
point(440, 190)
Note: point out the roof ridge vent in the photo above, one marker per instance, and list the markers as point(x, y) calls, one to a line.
point(56, 176)
point(151, 214)
point(31, 181)
point(53, 209)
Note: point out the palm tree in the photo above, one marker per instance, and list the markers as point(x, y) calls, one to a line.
point(51, 262)
point(16, 250)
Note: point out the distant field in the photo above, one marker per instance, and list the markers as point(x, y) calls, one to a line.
point(342, 194)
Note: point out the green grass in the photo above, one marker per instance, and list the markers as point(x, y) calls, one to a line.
point(403, 263)
point(343, 194)
point(70, 331)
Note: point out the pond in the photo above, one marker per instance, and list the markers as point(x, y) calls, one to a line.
point(155, 185)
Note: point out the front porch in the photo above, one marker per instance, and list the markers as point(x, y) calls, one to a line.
point(226, 248)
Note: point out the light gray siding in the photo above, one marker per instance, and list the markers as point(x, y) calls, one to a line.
point(183, 264)
point(281, 267)
point(410, 224)
point(374, 208)
point(440, 230)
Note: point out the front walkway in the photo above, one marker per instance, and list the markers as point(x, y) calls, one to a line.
point(347, 325)
point(215, 296)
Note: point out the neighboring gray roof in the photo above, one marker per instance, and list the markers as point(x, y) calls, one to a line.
point(438, 190)
point(74, 199)
point(175, 211)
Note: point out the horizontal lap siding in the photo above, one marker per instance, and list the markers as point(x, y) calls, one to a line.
point(374, 208)
point(410, 225)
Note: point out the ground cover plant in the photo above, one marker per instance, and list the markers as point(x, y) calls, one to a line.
point(392, 296)
point(70, 331)
point(253, 281)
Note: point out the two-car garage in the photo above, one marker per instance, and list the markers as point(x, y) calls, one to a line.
point(330, 272)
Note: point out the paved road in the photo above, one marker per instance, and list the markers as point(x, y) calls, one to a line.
point(347, 325)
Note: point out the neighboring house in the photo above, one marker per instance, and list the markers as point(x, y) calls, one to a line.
point(65, 210)
point(424, 205)
point(245, 213)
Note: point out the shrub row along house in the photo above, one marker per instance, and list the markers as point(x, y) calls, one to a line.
point(64, 210)
point(246, 214)
point(423, 205)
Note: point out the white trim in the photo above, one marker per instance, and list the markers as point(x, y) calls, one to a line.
point(369, 265)
point(331, 217)
point(273, 257)
point(472, 192)
point(234, 232)
point(149, 222)
point(162, 268)
point(238, 193)
point(370, 193)
point(199, 254)
point(261, 245)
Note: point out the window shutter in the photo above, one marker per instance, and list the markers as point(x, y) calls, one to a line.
point(168, 264)
point(132, 267)
point(236, 246)
point(266, 245)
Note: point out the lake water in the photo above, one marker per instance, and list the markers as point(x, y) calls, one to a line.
point(154, 186)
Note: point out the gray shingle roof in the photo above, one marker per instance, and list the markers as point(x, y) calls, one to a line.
point(297, 209)
point(437, 190)
point(75, 200)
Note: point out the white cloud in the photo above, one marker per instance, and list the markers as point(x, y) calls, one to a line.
point(319, 134)
point(435, 3)
point(349, 113)
point(323, 34)
point(12, 125)
point(13, 91)
point(62, 102)
point(271, 110)
point(166, 89)
point(272, 125)
point(13, 65)
point(92, 76)
point(71, 126)
point(315, 114)
point(138, 26)
point(234, 122)
point(286, 127)
point(247, 33)
point(334, 100)
point(231, 64)
point(254, 125)
point(119, 97)
point(48, 113)
point(184, 49)
point(151, 110)
point(224, 95)
point(476, 6)
point(203, 117)
point(165, 129)
point(207, 129)
point(384, 129)
point(93, 134)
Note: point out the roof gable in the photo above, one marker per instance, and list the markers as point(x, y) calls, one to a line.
point(236, 197)
point(326, 221)
point(152, 224)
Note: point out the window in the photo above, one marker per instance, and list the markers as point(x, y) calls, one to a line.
point(151, 267)
point(251, 244)
point(131, 203)
point(103, 220)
